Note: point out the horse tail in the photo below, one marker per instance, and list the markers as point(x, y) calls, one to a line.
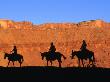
point(63, 56)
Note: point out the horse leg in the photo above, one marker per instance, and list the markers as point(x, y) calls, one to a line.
point(89, 62)
point(92, 62)
point(82, 62)
point(8, 63)
point(13, 63)
point(47, 62)
point(20, 63)
point(59, 64)
point(79, 62)
point(51, 63)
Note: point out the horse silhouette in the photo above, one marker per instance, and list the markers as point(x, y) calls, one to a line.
point(84, 55)
point(14, 58)
point(57, 57)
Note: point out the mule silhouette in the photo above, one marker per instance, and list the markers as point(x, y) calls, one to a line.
point(14, 58)
point(57, 57)
point(84, 55)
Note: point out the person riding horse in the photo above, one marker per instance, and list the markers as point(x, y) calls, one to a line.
point(84, 45)
point(83, 48)
point(14, 51)
point(52, 50)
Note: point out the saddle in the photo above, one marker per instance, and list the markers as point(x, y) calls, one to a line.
point(52, 54)
point(14, 55)
point(85, 53)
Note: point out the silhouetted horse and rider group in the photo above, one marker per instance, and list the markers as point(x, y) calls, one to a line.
point(52, 55)
point(83, 54)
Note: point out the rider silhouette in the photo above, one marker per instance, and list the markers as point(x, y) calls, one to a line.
point(52, 50)
point(84, 45)
point(14, 51)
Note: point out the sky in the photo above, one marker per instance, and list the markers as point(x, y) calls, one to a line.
point(55, 11)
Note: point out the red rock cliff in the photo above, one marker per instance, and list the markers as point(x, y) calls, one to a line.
point(33, 39)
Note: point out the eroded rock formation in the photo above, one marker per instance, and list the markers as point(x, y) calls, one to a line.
point(32, 39)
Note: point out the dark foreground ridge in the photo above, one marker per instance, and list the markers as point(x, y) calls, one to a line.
point(54, 74)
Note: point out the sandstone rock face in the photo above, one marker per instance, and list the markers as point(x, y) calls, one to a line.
point(32, 39)
point(5, 24)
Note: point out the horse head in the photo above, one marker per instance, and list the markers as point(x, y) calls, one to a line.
point(5, 55)
point(42, 54)
point(72, 54)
